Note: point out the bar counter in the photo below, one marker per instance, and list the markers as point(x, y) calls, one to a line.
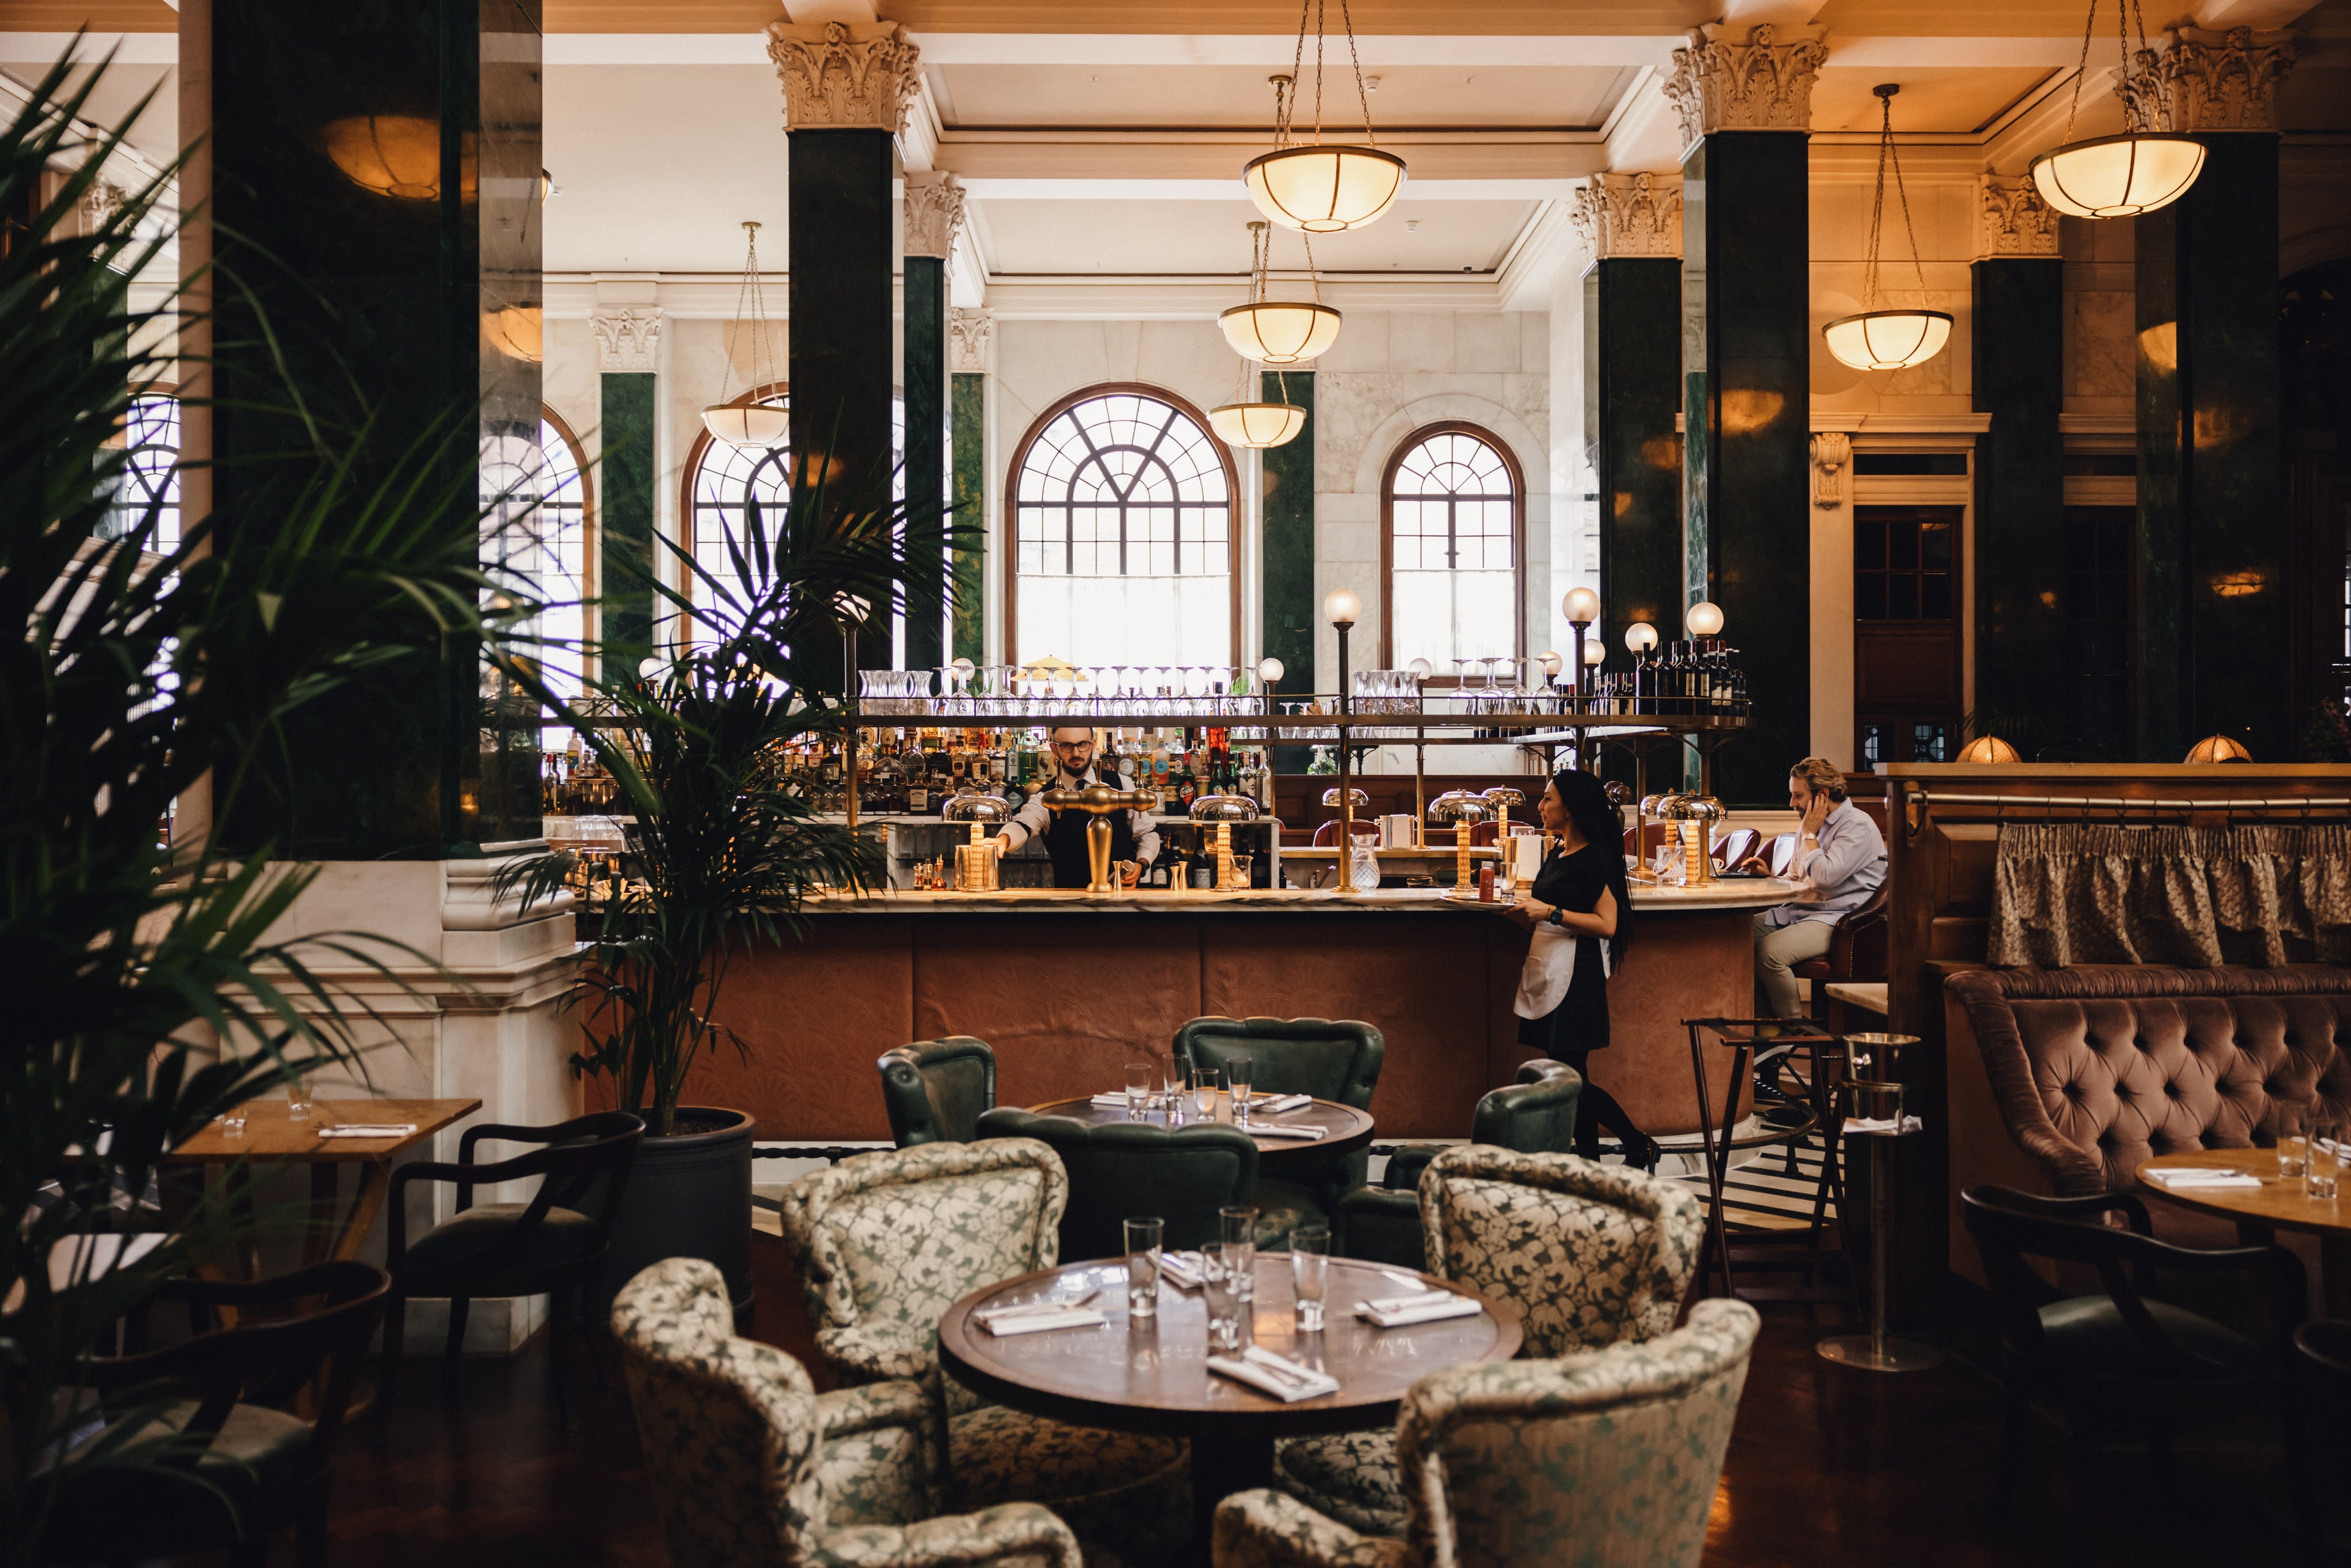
point(1068, 986)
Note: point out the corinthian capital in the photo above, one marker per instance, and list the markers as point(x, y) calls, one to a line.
point(1630, 215)
point(969, 331)
point(933, 214)
point(2017, 222)
point(628, 340)
point(1723, 83)
point(2212, 81)
point(842, 76)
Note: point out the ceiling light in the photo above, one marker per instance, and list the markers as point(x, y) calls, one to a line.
point(1318, 186)
point(1257, 424)
point(1888, 340)
point(758, 419)
point(2145, 168)
point(1278, 332)
point(391, 154)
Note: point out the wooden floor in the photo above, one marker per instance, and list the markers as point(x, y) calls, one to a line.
point(1829, 1466)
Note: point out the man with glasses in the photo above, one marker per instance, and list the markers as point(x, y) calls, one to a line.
point(1133, 836)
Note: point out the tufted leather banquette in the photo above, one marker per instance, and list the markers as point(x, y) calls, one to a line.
point(2064, 1080)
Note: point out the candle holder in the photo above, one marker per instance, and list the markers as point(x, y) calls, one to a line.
point(1690, 814)
point(1465, 810)
point(1224, 810)
point(1098, 801)
point(976, 864)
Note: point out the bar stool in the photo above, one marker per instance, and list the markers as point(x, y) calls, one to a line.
point(1744, 1038)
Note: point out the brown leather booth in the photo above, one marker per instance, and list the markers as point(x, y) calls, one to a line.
point(2065, 1080)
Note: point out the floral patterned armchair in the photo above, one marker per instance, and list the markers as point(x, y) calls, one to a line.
point(1604, 1459)
point(1587, 1255)
point(755, 1469)
point(886, 1242)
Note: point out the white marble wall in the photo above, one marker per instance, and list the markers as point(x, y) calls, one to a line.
point(1944, 212)
point(2101, 325)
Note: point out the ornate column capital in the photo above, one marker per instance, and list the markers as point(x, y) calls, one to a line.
point(968, 333)
point(1832, 455)
point(842, 76)
point(2016, 220)
point(2198, 80)
point(627, 339)
point(1757, 83)
point(1630, 215)
point(933, 214)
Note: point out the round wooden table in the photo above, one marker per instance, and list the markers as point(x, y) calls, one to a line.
point(2278, 1204)
point(1153, 1376)
point(1347, 1129)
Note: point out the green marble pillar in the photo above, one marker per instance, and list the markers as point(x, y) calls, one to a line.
point(398, 310)
point(2212, 603)
point(625, 532)
point(1747, 404)
point(967, 441)
point(2020, 545)
point(1287, 604)
point(926, 333)
point(1632, 391)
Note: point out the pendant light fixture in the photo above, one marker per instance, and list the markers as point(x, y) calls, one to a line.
point(1321, 187)
point(752, 425)
point(1243, 422)
point(1279, 331)
point(1886, 339)
point(2118, 176)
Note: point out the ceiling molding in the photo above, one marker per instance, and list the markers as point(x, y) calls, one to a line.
point(1543, 162)
point(1547, 243)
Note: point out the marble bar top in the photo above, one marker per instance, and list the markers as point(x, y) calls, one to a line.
point(1737, 893)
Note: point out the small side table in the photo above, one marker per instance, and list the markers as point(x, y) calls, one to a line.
point(1877, 1105)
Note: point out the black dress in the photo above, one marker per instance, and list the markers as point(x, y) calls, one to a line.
point(1580, 1023)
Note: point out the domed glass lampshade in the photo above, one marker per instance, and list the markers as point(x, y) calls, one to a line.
point(760, 426)
point(1988, 749)
point(1888, 340)
point(1280, 331)
point(1257, 424)
point(1325, 189)
point(2118, 176)
point(2218, 748)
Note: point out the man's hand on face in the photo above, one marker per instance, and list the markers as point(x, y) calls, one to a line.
point(1816, 813)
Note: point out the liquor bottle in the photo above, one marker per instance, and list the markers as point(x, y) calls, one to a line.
point(1644, 688)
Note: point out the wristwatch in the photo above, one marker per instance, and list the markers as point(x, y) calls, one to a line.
point(1553, 918)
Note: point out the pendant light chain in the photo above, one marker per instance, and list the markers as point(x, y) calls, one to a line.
point(1315, 14)
point(752, 293)
point(1888, 154)
point(1362, 97)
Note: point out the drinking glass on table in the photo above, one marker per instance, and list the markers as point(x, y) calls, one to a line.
point(2325, 1134)
point(1143, 1234)
point(1239, 1070)
point(1309, 1273)
point(1138, 1089)
point(1204, 1093)
point(297, 1098)
point(1220, 1294)
point(1171, 1087)
point(1239, 1230)
point(2293, 1146)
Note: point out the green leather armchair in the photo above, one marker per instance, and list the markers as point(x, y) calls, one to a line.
point(1534, 1115)
point(1329, 1058)
point(935, 1090)
point(1119, 1169)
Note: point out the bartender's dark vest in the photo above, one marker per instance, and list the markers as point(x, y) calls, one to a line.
point(1065, 840)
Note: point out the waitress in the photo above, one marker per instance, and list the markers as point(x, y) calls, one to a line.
point(1133, 836)
point(1582, 918)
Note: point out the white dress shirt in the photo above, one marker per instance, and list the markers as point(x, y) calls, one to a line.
point(1034, 817)
point(1845, 864)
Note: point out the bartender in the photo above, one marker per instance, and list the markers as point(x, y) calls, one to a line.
point(1133, 837)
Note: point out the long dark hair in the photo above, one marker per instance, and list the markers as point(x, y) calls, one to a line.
point(1596, 819)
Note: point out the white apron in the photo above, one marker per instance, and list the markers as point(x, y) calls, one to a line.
point(1549, 969)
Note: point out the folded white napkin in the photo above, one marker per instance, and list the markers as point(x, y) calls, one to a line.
point(1272, 1130)
point(1878, 1127)
point(1037, 1319)
point(1117, 1102)
point(1278, 1375)
point(1278, 1103)
point(1180, 1269)
point(1409, 1299)
point(1434, 1312)
point(368, 1130)
point(2200, 1175)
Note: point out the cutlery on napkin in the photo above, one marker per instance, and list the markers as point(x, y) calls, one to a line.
point(1034, 1317)
point(1180, 1269)
point(1278, 1375)
point(1118, 1102)
point(1278, 1103)
point(2194, 1175)
point(1401, 1311)
point(370, 1130)
point(1273, 1130)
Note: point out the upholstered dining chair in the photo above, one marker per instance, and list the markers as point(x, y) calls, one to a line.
point(1183, 1174)
point(1534, 1115)
point(1337, 1059)
point(1606, 1458)
point(886, 1242)
point(1587, 1255)
point(752, 1468)
point(936, 1089)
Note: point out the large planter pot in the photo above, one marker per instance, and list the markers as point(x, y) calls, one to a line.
point(689, 1197)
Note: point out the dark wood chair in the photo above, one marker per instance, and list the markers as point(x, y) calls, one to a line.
point(2122, 1358)
point(550, 1246)
point(202, 1449)
point(1857, 951)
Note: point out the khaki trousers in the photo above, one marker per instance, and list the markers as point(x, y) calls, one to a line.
point(1777, 949)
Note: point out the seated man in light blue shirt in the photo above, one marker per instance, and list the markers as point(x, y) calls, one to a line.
point(1840, 858)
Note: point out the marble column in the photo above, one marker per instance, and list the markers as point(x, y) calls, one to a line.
point(2212, 602)
point(1632, 225)
point(628, 348)
point(2020, 543)
point(1744, 95)
point(934, 211)
point(969, 333)
point(1286, 604)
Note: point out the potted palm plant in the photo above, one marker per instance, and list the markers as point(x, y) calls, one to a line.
point(724, 853)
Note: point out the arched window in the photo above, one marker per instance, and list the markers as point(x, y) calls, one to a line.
point(1122, 507)
point(151, 430)
point(539, 530)
point(1449, 551)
